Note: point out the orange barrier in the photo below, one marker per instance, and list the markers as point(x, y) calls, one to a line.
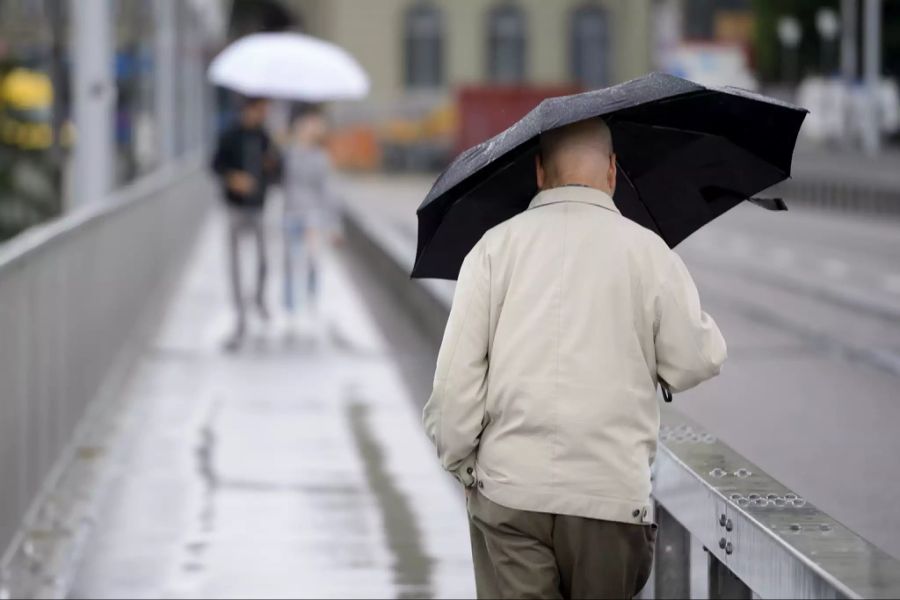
point(355, 148)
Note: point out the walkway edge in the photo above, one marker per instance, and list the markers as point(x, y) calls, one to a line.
point(42, 557)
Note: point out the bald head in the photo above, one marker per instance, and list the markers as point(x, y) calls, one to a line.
point(580, 153)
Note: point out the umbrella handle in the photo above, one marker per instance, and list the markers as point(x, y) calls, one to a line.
point(666, 392)
point(775, 204)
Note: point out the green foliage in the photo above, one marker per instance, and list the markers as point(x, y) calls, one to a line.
point(891, 37)
point(768, 51)
point(29, 182)
point(28, 190)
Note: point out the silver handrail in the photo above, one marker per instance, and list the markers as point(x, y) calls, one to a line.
point(72, 293)
point(727, 528)
point(756, 534)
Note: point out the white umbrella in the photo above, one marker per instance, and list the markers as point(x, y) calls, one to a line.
point(289, 66)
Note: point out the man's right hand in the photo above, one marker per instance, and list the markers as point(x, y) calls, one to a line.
point(240, 182)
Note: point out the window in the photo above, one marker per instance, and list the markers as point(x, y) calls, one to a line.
point(699, 21)
point(424, 39)
point(590, 46)
point(506, 44)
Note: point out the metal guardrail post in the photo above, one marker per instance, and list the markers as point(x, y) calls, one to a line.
point(724, 584)
point(672, 577)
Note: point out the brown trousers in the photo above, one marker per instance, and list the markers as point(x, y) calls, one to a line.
point(523, 554)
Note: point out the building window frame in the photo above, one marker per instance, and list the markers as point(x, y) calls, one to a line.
point(423, 45)
point(507, 44)
point(583, 40)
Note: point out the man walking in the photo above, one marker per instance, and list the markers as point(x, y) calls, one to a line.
point(246, 162)
point(544, 406)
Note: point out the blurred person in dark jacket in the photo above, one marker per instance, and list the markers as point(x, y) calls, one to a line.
point(246, 162)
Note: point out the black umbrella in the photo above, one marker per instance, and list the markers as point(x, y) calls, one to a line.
point(686, 154)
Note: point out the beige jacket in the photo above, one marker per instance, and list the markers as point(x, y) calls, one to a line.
point(563, 320)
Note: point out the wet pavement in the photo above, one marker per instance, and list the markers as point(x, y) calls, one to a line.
point(295, 467)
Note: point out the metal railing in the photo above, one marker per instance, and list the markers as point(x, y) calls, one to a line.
point(727, 529)
point(72, 294)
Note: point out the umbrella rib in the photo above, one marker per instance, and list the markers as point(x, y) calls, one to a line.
point(640, 197)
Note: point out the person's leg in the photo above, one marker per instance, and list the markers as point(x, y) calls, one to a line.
point(234, 223)
point(258, 227)
point(602, 559)
point(313, 242)
point(290, 242)
point(518, 545)
point(485, 576)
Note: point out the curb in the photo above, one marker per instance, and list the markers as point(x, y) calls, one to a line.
point(841, 195)
point(427, 301)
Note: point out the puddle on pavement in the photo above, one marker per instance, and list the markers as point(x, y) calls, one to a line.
point(342, 505)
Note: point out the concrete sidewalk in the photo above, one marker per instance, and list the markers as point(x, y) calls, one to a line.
point(293, 468)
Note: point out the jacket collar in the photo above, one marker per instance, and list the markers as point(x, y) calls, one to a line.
point(574, 193)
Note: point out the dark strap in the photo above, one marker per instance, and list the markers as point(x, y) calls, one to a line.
point(769, 203)
point(666, 392)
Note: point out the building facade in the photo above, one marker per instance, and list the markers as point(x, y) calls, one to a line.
point(435, 46)
point(448, 73)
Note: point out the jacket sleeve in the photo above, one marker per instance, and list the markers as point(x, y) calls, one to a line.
point(455, 414)
point(222, 161)
point(275, 164)
point(689, 346)
point(331, 199)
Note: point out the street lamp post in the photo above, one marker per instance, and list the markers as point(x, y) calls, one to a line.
point(164, 69)
point(790, 35)
point(872, 74)
point(94, 99)
point(57, 118)
point(828, 26)
point(849, 40)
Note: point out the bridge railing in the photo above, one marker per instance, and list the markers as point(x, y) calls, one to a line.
point(727, 528)
point(73, 294)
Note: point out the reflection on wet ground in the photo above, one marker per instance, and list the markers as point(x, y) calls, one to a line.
point(412, 567)
point(295, 467)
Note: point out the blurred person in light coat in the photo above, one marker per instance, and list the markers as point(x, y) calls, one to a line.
point(311, 207)
point(565, 319)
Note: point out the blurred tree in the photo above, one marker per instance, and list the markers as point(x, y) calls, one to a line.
point(767, 47)
point(890, 36)
point(27, 193)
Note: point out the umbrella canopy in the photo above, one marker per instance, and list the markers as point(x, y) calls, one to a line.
point(289, 66)
point(685, 155)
